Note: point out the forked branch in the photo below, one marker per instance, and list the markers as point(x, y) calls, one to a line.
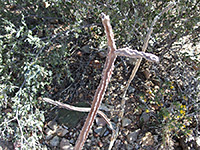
point(106, 75)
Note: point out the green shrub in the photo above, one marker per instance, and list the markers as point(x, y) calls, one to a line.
point(37, 44)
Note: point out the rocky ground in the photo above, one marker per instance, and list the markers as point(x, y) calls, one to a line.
point(141, 127)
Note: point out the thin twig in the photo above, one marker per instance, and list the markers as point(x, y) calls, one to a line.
point(136, 54)
point(74, 108)
point(121, 114)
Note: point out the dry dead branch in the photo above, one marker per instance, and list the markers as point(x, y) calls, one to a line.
point(145, 45)
point(106, 75)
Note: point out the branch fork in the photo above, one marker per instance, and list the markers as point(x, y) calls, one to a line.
point(106, 75)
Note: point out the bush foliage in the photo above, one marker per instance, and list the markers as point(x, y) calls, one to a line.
point(38, 40)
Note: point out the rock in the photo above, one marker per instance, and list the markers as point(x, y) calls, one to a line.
point(117, 143)
point(129, 147)
point(61, 131)
point(145, 117)
point(49, 133)
point(48, 137)
point(106, 133)
point(131, 89)
point(52, 125)
point(71, 118)
point(98, 130)
point(65, 127)
point(146, 74)
point(198, 141)
point(55, 141)
point(105, 107)
point(124, 132)
point(100, 121)
point(148, 139)
point(101, 131)
point(86, 49)
point(137, 146)
point(72, 141)
point(132, 137)
point(155, 138)
point(131, 61)
point(102, 54)
point(125, 122)
point(65, 145)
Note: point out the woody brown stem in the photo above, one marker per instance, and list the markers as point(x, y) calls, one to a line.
point(136, 54)
point(106, 75)
point(74, 108)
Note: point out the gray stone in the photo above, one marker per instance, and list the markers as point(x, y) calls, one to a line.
point(49, 133)
point(61, 131)
point(65, 145)
point(132, 137)
point(72, 141)
point(52, 124)
point(86, 49)
point(65, 127)
point(102, 54)
point(106, 133)
point(105, 107)
point(98, 130)
point(100, 121)
point(131, 61)
point(131, 89)
point(55, 141)
point(125, 122)
point(145, 117)
point(137, 146)
point(155, 137)
point(129, 147)
point(198, 141)
point(48, 137)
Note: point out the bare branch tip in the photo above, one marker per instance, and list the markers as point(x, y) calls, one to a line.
point(173, 3)
point(157, 60)
point(104, 16)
